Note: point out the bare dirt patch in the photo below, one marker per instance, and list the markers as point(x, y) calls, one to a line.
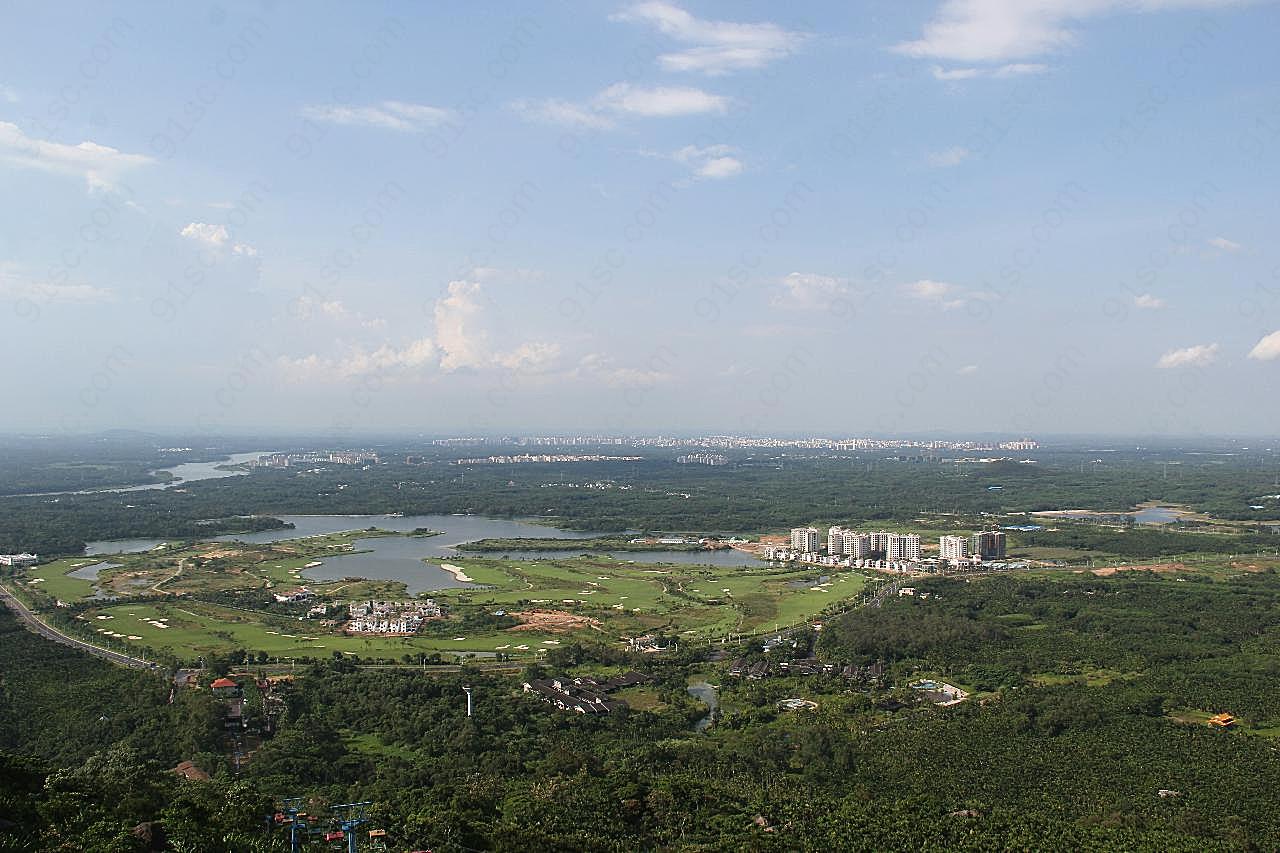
point(552, 621)
point(215, 553)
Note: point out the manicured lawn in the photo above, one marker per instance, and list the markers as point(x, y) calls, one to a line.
point(54, 582)
point(194, 628)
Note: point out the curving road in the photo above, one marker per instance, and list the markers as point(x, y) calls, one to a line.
point(33, 623)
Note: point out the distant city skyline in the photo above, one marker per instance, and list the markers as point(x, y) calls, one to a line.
point(996, 218)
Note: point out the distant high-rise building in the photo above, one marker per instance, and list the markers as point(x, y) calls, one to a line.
point(804, 539)
point(846, 542)
point(902, 546)
point(880, 541)
point(953, 548)
point(989, 544)
point(857, 545)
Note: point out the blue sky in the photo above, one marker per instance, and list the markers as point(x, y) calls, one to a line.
point(853, 218)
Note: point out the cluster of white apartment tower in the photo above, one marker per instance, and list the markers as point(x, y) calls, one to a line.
point(852, 543)
point(986, 545)
point(896, 547)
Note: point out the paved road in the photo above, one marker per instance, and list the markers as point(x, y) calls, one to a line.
point(34, 624)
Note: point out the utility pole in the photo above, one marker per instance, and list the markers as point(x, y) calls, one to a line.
point(467, 690)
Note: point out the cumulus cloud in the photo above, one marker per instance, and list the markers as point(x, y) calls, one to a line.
point(463, 338)
point(942, 294)
point(99, 165)
point(623, 100)
point(715, 47)
point(1149, 301)
point(1007, 30)
point(929, 290)
point(216, 237)
point(388, 115)
point(607, 371)
point(1267, 349)
point(360, 361)
point(808, 291)
point(1224, 244)
point(953, 156)
point(1199, 355)
point(461, 342)
point(712, 162)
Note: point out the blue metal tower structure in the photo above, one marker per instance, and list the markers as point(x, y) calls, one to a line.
point(349, 817)
point(291, 816)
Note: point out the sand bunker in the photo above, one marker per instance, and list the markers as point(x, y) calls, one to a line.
point(459, 574)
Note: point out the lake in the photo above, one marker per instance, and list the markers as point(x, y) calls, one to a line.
point(727, 557)
point(187, 472)
point(1157, 515)
point(401, 558)
point(90, 572)
point(121, 546)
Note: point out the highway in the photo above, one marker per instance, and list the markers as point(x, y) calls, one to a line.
point(34, 623)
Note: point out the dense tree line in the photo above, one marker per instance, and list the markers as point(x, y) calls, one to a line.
point(1079, 765)
point(754, 493)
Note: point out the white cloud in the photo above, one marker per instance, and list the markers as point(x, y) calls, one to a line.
point(390, 115)
point(968, 370)
point(717, 47)
point(563, 113)
point(1012, 69)
point(531, 357)
point(928, 290)
point(8, 95)
point(953, 156)
point(1225, 245)
point(808, 291)
point(1148, 300)
point(623, 100)
point(1195, 356)
point(937, 292)
point(17, 286)
point(358, 361)
point(216, 237)
point(1006, 30)
point(309, 306)
point(659, 101)
point(460, 342)
point(1267, 349)
point(606, 370)
point(944, 295)
point(712, 162)
point(463, 339)
point(99, 165)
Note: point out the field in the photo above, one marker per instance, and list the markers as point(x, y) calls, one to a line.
point(190, 599)
point(692, 601)
point(200, 598)
point(188, 629)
